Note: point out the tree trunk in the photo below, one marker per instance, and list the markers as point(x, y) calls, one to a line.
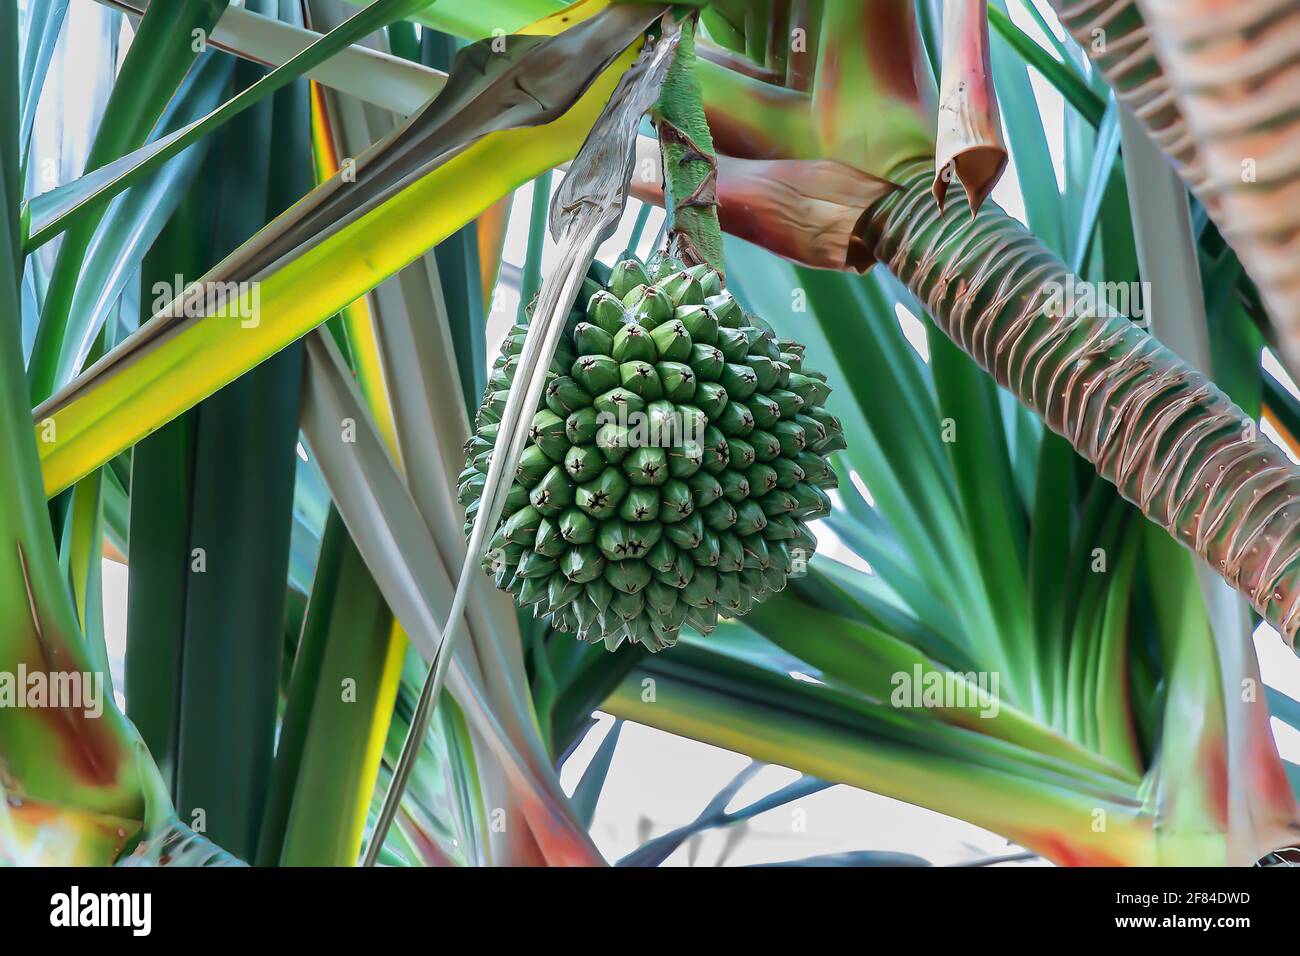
point(1117, 40)
point(1163, 434)
point(1233, 71)
point(1215, 85)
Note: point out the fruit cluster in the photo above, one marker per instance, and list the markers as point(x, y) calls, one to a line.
point(678, 452)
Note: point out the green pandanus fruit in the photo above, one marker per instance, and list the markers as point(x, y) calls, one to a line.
point(671, 468)
point(1162, 433)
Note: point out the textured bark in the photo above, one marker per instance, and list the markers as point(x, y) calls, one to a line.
point(1116, 39)
point(1162, 433)
point(1235, 70)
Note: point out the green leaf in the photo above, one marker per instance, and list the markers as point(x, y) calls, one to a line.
point(1063, 77)
point(1104, 161)
point(308, 269)
point(994, 520)
point(54, 212)
point(1027, 139)
point(47, 788)
point(818, 731)
point(327, 758)
point(238, 522)
point(154, 67)
point(587, 793)
point(133, 222)
point(44, 24)
point(531, 280)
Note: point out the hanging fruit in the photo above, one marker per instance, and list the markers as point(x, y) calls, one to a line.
point(679, 448)
point(671, 468)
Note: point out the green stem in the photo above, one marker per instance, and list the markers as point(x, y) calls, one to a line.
point(690, 165)
point(531, 281)
point(638, 229)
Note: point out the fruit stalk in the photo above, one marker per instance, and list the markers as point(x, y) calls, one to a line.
point(689, 161)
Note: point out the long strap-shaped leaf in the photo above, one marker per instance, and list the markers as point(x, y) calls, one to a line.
point(804, 210)
point(399, 339)
point(133, 221)
point(75, 781)
point(44, 23)
point(397, 547)
point(584, 212)
point(373, 75)
point(1166, 245)
point(345, 126)
point(414, 348)
point(50, 213)
point(306, 264)
point(157, 62)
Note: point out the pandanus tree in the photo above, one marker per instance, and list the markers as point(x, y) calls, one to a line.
point(1128, 723)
